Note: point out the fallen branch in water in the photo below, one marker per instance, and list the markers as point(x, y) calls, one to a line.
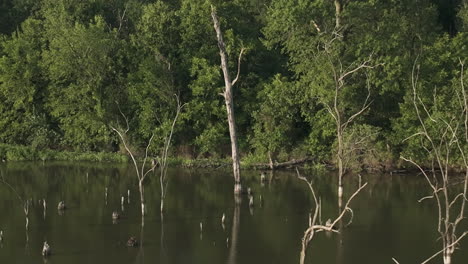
point(330, 225)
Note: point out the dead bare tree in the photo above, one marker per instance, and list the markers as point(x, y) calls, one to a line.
point(228, 98)
point(142, 171)
point(442, 138)
point(165, 152)
point(315, 221)
point(335, 107)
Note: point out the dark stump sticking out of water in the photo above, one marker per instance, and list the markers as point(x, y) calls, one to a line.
point(132, 242)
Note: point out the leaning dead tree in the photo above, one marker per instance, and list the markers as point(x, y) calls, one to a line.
point(25, 203)
point(228, 98)
point(315, 221)
point(443, 136)
point(143, 171)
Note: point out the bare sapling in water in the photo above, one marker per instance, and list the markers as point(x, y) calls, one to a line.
point(25, 204)
point(444, 142)
point(165, 153)
point(142, 171)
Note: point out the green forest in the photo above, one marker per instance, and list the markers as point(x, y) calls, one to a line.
point(318, 79)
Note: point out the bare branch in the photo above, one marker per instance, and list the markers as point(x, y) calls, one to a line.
point(445, 248)
point(433, 187)
point(414, 135)
point(125, 117)
point(146, 157)
point(316, 26)
point(363, 65)
point(465, 100)
point(238, 66)
point(364, 107)
point(13, 189)
point(426, 197)
point(121, 18)
point(460, 195)
point(121, 135)
point(347, 205)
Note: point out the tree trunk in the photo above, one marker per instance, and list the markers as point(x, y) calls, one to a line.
point(228, 97)
point(163, 194)
point(341, 169)
point(271, 164)
point(447, 258)
point(232, 133)
point(142, 197)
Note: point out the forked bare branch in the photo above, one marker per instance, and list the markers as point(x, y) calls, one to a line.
point(315, 223)
point(238, 66)
point(442, 142)
point(454, 243)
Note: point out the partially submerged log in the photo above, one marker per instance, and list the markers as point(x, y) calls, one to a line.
point(282, 165)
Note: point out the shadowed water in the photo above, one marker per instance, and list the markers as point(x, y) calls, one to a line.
point(388, 222)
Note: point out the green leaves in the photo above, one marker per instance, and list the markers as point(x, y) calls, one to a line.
point(68, 63)
point(22, 84)
point(79, 66)
point(275, 119)
point(437, 78)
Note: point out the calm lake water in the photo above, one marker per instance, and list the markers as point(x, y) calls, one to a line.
point(388, 220)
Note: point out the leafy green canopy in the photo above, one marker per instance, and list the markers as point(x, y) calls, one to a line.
point(69, 69)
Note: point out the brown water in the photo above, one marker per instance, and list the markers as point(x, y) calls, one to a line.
point(388, 222)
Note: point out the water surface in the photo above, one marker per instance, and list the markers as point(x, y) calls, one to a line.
point(388, 220)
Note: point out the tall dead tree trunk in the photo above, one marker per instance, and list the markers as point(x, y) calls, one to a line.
point(228, 98)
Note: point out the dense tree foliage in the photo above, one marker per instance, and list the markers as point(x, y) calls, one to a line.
point(69, 70)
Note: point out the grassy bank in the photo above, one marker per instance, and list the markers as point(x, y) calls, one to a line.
point(26, 153)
